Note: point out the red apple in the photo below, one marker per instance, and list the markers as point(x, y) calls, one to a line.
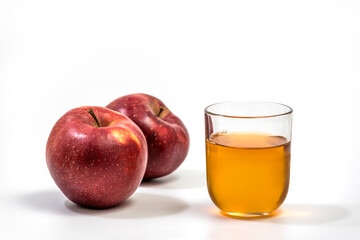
point(166, 135)
point(96, 156)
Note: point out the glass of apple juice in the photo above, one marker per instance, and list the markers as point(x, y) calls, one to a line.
point(248, 156)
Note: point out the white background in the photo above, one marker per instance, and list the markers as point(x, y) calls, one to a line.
point(58, 55)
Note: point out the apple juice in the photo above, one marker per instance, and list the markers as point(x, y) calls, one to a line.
point(247, 173)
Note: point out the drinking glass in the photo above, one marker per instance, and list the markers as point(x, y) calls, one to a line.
point(248, 156)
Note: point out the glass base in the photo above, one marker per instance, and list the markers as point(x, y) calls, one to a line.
point(246, 215)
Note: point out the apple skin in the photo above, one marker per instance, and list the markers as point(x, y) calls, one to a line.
point(96, 167)
point(166, 135)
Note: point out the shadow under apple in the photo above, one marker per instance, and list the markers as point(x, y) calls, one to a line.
point(140, 205)
point(50, 201)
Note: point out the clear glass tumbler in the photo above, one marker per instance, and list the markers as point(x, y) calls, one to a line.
point(248, 156)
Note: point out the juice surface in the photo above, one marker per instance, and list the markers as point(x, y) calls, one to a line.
point(247, 173)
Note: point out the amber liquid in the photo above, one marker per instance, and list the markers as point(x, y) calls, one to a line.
point(247, 173)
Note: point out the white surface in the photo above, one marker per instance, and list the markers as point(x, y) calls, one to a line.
point(178, 207)
point(55, 56)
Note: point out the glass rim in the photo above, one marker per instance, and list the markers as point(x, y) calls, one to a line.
point(289, 111)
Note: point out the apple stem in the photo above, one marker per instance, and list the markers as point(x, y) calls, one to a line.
point(161, 110)
point(91, 112)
